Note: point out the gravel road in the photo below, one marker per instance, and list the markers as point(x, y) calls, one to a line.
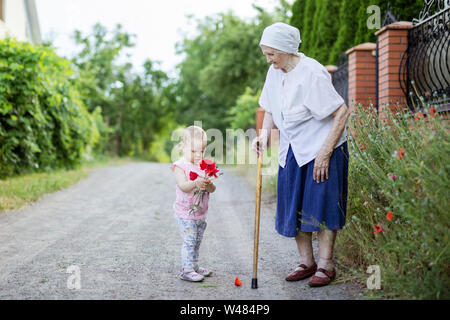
point(117, 227)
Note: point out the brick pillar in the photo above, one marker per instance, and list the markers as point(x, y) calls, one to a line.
point(362, 74)
point(392, 43)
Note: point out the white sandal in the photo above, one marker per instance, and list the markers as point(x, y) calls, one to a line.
point(191, 276)
point(203, 271)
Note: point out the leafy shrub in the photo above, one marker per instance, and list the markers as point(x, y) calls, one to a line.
point(242, 115)
point(398, 201)
point(103, 133)
point(43, 123)
point(164, 144)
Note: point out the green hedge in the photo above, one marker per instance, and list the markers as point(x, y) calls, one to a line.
point(43, 123)
point(330, 27)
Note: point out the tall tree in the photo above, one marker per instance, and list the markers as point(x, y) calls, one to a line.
point(327, 31)
point(97, 62)
point(298, 9)
point(329, 28)
point(133, 106)
point(220, 62)
point(345, 36)
point(308, 27)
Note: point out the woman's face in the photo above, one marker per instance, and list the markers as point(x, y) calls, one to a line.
point(276, 58)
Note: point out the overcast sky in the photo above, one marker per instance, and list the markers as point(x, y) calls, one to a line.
point(157, 23)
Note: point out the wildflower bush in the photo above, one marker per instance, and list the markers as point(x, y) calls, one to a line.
point(43, 122)
point(398, 214)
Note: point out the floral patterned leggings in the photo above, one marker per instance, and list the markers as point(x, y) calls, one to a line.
point(192, 233)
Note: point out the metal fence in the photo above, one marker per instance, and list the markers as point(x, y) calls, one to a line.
point(425, 70)
point(340, 78)
point(425, 67)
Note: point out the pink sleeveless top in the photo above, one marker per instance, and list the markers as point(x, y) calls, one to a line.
point(183, 199)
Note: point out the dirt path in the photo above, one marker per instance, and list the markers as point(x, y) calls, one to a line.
point(117, 226)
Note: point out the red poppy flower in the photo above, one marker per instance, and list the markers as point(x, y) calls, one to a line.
point(362, 146)
point(193, 175)
point(209, 167)
point(211, 173)
point(394, 177)
point(389, 215)
point(378, 229)
point(401, 153)
point(419, 115)
point(237, 282)
point(207, 164)
point(432, 112)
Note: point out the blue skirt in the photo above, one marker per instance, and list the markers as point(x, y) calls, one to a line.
point(303, 204)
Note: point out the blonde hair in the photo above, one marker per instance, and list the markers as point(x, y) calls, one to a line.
point(192, 133)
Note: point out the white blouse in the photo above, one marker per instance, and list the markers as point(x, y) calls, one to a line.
point(301, 103)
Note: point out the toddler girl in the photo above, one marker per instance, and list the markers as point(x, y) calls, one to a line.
point(191, 219)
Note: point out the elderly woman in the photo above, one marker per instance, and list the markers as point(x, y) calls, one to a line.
point(299, 98)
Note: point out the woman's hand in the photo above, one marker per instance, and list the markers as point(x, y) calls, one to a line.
point(322, 161)
point(321, 164)
point(264, 134)
point(262, 139)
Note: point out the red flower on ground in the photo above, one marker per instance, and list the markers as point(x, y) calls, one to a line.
point(394, 177)
point(378, 229)
point(193, 175)
point(237, 282)
point(389, 215)
point(401, 153)
point(419, 115)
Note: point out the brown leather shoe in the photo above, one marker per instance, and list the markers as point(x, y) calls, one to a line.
point(322, 281)
point(297, 275)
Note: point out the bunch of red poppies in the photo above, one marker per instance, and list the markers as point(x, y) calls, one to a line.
point(211, 170)
point(208, 166)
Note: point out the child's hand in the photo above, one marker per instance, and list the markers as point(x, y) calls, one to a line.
point(210, 187)
point(201, 183)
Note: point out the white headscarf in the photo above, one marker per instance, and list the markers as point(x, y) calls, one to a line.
point(281, 36)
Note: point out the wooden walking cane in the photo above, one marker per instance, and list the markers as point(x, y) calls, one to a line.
point(257, 214)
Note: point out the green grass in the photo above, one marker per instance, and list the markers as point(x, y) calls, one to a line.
point(207, 285)
point(18, 191)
